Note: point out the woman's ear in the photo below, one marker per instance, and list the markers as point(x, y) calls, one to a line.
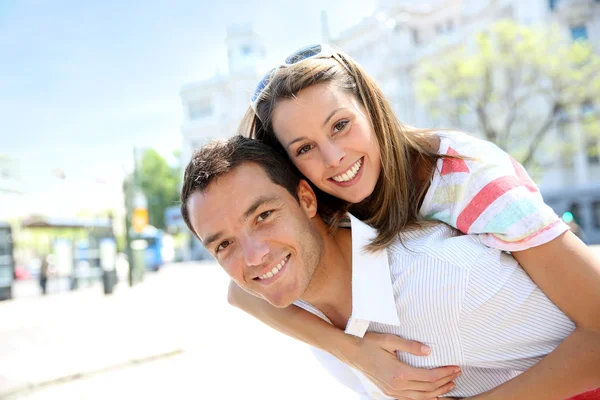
point(307, 198)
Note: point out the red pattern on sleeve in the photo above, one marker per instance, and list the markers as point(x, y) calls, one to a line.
point(484, 198)
point(452, 165)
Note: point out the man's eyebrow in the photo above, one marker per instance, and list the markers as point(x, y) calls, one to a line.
point(253, 207)
point(257, 203)
point(211, 238)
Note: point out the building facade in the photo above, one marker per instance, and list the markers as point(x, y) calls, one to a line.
point(213, 109)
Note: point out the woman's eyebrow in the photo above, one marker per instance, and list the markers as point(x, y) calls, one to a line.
point(294, 141)
point(331, 115)
point(298, 139)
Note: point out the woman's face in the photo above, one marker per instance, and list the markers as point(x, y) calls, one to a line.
point(328, 136)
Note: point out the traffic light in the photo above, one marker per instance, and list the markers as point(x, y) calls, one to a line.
point(567, 217)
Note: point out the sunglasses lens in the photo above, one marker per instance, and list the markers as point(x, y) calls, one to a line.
point(303, 54)
point(262, 85)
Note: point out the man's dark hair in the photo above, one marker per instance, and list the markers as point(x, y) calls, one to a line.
point(219, 157)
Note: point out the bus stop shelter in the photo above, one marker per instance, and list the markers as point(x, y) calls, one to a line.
point(82, 248)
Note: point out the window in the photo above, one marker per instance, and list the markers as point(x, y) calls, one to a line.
point(246, 50)
point(449, 25)
point(200, 109)
point(552, 4)
point(596, 209)
point(579, 32)
point(439, 29)
point(415, 36)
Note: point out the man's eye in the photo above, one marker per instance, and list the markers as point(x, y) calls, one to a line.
point(303, 149)
point(339, 126)
point(263, 216)
point(223, 245)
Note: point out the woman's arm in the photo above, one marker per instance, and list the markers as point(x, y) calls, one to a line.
point(374, 355)
point(568, 272)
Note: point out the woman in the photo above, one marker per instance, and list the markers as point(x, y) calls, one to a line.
point(335, 124)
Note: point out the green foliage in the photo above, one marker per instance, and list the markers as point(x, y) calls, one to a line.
point(160, 183)
point(513, 85)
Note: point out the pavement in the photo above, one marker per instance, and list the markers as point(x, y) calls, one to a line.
point(172, 336)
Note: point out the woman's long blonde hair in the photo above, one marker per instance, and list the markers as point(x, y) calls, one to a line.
point(394, 204)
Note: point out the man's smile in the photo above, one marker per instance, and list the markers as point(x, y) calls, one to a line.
point(268, 276)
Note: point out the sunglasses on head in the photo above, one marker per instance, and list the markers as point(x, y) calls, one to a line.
point(305, 53)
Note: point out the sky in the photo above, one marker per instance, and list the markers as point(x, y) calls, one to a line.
point(82, 82)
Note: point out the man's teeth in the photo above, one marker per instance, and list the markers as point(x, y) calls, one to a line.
point(350, 174)
point(275, 270)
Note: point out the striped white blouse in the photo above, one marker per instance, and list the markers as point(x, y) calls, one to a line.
point(473, 305)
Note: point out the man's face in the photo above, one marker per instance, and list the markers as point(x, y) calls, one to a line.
point(259, 233)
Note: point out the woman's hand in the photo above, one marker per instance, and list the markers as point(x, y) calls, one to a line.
point(375, 357)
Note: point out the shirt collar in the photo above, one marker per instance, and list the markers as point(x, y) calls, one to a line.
point(372, 293)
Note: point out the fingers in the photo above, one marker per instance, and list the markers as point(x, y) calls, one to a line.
point(405, 389)
point(425, 375)
point(414, 395)
point(431, 387)
point(394, 343)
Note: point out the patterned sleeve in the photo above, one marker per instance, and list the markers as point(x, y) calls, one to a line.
point(489, 193)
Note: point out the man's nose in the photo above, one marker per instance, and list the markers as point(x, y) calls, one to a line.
point(255, 250)
point(333, 154)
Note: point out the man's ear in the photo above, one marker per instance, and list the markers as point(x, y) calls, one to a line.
point(307, 198)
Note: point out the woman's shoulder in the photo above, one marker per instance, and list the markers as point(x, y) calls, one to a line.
point(466, 145)
point(480, 189)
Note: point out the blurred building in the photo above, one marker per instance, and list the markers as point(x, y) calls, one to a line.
point(214, 108)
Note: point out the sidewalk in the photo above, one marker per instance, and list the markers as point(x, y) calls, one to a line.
point(174, 334)
point(45, 339)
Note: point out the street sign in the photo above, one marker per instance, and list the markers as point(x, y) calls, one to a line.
point(139, 219)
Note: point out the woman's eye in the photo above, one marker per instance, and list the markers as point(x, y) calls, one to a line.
point(264, 216)
point(303, 149)
point(339, 126)
point(222, 246)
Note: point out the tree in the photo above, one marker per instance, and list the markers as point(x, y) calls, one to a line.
point(160, 184)
point(514, 85)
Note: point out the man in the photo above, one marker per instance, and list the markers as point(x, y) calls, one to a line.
point(474, 306)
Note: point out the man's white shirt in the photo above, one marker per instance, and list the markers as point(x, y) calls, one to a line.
point(473, 305)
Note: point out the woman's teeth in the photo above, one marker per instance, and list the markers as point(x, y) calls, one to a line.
point(350, 174)
point(275, 270)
